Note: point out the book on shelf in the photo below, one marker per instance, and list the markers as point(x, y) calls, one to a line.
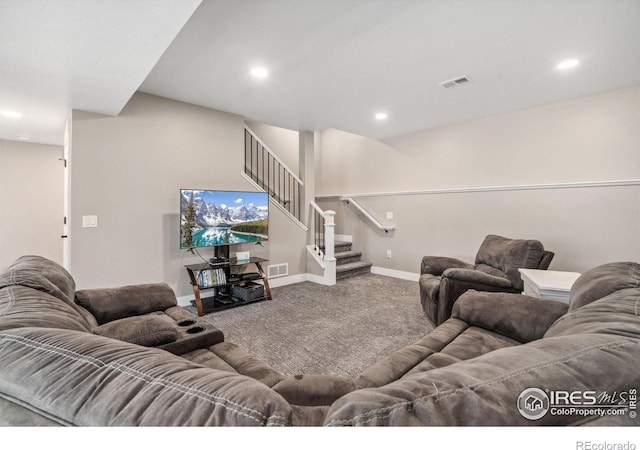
point(211, 277)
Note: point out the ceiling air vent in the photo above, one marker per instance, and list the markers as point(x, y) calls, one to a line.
point(455, 82)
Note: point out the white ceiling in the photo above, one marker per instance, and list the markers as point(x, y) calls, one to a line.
point(332, 63)
point(58, 55)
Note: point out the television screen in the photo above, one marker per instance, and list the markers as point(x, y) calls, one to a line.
point(210, 218)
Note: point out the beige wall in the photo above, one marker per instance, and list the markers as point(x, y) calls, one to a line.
point(593, 138)
point(31, 194)
point(128, 171)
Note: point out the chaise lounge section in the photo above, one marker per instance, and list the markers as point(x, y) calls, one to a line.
point(60, 367)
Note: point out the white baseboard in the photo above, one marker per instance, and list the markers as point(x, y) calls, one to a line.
point(185, 300)
point(411, 276)
point(318, 279)
point(343, 237)
point(290, 279)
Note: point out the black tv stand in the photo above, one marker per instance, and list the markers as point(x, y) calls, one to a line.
point(222, 298)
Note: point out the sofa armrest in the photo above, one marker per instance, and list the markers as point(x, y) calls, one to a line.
point(455, 282)
point(517, 316)
point(436, 265)
point(477, 277)
point(110, 304)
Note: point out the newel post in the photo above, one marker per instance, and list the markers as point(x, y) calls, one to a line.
point(329, 248)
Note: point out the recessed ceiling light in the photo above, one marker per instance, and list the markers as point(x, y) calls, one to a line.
point(568, 64)
point(381, 116)
point(10, 114)
point(259, 72)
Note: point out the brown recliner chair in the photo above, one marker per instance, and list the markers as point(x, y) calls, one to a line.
point(443, 279)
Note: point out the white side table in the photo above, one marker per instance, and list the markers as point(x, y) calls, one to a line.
point(548, 284)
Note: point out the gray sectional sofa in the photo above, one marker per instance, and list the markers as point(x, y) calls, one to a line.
point(125, 357)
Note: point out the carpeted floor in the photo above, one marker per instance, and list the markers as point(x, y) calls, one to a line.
point(333, 330)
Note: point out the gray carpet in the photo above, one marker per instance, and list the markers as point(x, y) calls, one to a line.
point(333, 330)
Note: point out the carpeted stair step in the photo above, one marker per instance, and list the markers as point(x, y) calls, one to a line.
point(339, 246)
point(347, 257)
point(352, 269)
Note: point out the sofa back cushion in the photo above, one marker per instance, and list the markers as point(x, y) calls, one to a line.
point(603, 280)
point(54, 273)
point(22, 306)
point(508, 255)
point(47, 277)
point(107, 304)
point(33, 279)
point(615, 314)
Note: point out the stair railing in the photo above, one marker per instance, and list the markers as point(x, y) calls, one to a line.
point(318, 229)
point(323, 247)
point(367, 215)
point(267, 172)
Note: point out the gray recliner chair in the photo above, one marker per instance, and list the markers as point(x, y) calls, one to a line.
point(444, 279)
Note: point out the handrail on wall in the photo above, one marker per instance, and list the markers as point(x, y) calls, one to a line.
point(385, 228)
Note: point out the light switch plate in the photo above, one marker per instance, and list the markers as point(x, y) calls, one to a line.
point(89, 221)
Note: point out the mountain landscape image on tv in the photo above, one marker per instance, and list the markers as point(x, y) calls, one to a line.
point(211, 217)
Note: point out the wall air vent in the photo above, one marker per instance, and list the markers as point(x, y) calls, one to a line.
point(278, 270)
point(455, 82)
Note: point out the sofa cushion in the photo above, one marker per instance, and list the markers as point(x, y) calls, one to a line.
point(484, 391)
point(29, 277)
point(245, 363)
point(519, 317)
point(615, 314)
point(510, 254)
point(469, 344)
point(53, 272)
point(490, 270)
point(116, 303)
point(478, 277)
point(22, 306)
point(148, 330)
point(396, 365)
point(84, 379)
point(602, 281)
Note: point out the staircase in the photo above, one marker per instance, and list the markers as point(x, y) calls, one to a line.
point(267, 173)
point(349, 262)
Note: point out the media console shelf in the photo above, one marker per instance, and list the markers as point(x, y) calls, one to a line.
point(219, 277)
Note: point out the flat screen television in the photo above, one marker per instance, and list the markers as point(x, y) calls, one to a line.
point(210, 218)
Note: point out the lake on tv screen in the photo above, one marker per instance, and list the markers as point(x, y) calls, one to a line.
point(220, 236)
